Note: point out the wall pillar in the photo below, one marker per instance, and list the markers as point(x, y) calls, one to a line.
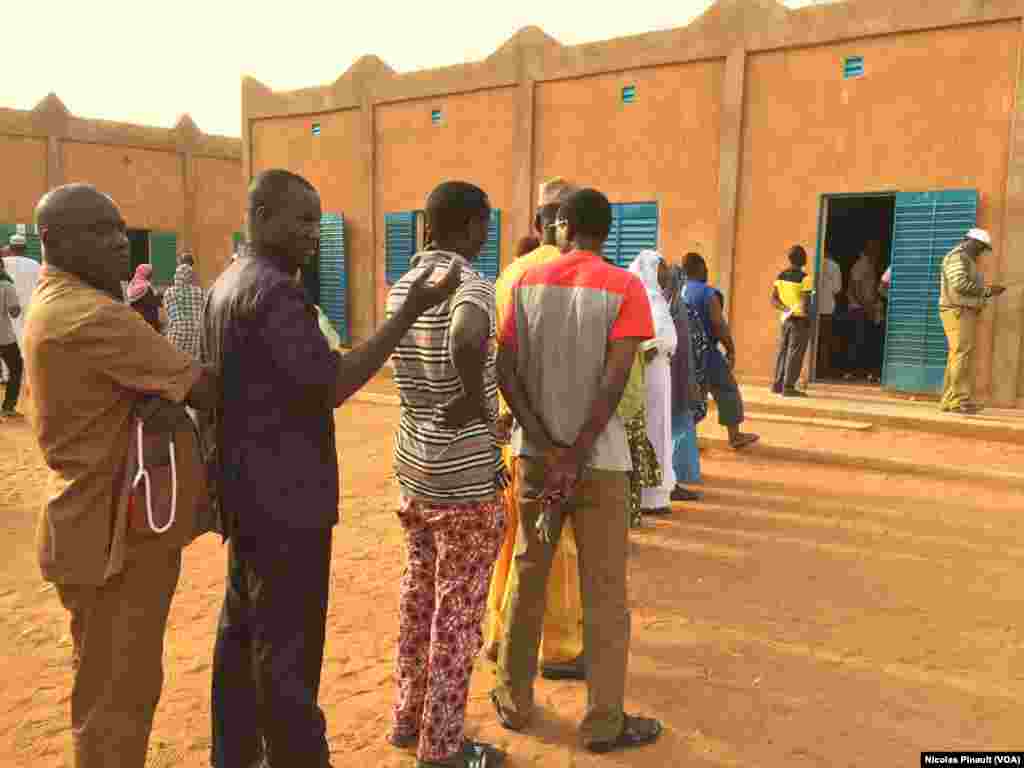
point(54, 162)
point(188, 185)
point(368, 114)
point(1008, 328)
point(730, 147)
point(519, 217)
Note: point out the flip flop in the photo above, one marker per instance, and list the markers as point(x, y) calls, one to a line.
point(403, 740)
point(745, 441)
point(503, 717)
point(474, 754)
point(636, 732)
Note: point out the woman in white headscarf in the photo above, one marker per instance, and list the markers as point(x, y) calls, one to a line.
point(652, 270)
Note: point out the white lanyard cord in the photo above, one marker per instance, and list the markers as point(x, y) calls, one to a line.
point(143, 474)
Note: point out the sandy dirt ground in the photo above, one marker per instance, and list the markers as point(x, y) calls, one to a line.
point(798, 616)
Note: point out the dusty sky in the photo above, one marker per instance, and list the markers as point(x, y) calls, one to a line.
point(111, 59)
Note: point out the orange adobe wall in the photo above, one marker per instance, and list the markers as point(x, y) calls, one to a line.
point(901, 127)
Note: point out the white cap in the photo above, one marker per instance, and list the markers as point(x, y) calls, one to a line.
point(17, 240)
point(980, 235)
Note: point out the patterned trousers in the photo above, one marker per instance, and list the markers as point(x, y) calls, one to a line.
point(451, 551)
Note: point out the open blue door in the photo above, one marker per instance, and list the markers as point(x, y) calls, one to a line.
point(334, 274)
point(926, 226)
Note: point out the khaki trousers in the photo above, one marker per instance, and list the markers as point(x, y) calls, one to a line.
point(118, 635)
point(961, 331)
point(600, 516)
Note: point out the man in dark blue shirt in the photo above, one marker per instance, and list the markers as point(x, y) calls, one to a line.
point(278, 476)
point(721, 382)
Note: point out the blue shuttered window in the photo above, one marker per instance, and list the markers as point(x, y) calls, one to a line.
point(399, 244)
point(400, 237)
point(489, 262)
point(634, 229)
point(926, 227)
point(334, 273)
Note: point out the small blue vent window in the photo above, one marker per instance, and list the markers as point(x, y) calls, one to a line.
point(628, 94)
point(316, 129)
point(853, 66)
point(435, 117)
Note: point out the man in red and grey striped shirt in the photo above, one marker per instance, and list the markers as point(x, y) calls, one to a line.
point(568, 340)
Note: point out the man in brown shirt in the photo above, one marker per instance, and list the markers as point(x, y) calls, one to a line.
point(90, 359)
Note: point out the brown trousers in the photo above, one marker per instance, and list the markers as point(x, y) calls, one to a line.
point(118, 635)
point(600, 516)
point(961, 327)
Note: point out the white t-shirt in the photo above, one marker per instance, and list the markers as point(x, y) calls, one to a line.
point(831, 286)
point(25, 273)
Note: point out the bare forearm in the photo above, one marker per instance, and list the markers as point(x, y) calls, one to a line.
point(519, 404)
point(204, 395)
point(601, 413)
point(469, 359)
point(725, 336)
point(362, 364)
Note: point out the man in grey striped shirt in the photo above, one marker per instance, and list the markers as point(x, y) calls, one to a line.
point(962, 297)
point(450, 472)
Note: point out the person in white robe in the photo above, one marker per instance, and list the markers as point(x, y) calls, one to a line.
point(652, 270)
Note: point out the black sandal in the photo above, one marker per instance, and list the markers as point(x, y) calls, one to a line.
point(403, 740)
point(474, 754)
point(503, 716)
point(636, 732)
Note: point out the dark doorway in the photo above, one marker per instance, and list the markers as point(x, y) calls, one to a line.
point(139, 242)
point(858, 237)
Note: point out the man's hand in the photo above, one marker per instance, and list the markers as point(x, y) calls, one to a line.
point(563, 472)
point(422, 296)
point(997, 290)
point(695, 393)
point(462, 410)
point(503, 428)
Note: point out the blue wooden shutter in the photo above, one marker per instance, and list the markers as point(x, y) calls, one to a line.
point(163, 257)
point(634, 229)
point(334, 273)
point(489, 261)
point(926, 226)
point(399, 244)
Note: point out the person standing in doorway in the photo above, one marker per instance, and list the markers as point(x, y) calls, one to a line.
point(830, 286)
point(962, 296)
point(92, 361)
point(572, 331)
point(10, 310)
point(278, 477)
point(791, 296)
point(719, 369)
point(864, 314)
